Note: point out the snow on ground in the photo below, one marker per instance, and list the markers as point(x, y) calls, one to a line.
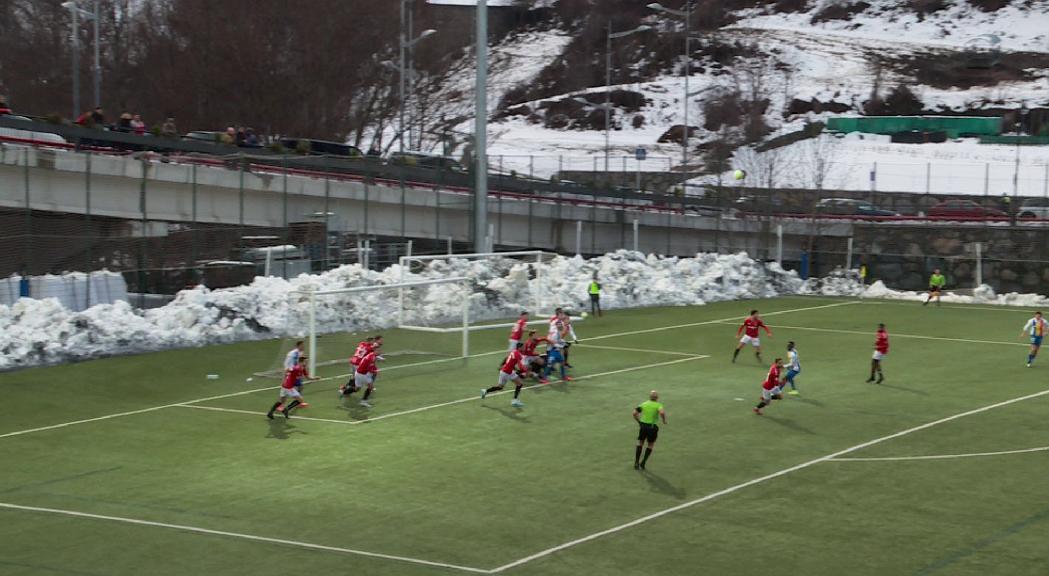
point(955, 167)
point(1019, 27)
point(830, 61)
point(36, 332)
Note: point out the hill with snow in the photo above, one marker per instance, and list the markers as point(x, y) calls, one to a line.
point(764, 69)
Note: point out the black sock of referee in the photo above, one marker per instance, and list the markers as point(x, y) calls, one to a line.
point(517, 391)
point(273, 408)
point(648, 452)
point(293, 404)
point(637, 455)
point(367, 392)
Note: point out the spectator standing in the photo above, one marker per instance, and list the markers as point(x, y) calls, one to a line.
point(229, 137)
point(250, 138)
point(137, 125)
point(124, 124)
point(168, 129)
point(98, 117)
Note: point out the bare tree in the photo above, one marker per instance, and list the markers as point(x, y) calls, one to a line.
point(815, 158)
point(764, 169)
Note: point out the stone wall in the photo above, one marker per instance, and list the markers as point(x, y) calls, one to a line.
point(1015, 259)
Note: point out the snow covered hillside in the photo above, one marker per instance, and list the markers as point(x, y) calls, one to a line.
point(806, 61)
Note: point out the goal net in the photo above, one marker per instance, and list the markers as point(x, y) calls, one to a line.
point(331, 323)
point(520, 276)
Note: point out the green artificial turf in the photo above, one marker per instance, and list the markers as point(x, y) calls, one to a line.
point(433, 474)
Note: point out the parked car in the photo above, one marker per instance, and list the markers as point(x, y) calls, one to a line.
point(851, 207)
point(424, 160)
point(963, 209)
point(320, 147)
point(1035, 208)
point(209, 136)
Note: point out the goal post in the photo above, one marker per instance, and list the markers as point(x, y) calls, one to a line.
point(334, 300)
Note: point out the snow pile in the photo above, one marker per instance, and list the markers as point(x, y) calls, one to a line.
point(34, 332)
point(984, 294)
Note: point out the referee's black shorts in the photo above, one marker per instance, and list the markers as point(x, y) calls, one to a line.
point(647, 433)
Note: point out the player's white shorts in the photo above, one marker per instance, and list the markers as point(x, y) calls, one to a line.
point(362, 380)
point(290, 392)
point(513, 344)
point(511, 377)
point(767, 395)
point(752, 340)
point(528, 361)
point(878, 355)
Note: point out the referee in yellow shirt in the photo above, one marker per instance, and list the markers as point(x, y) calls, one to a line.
point(648, 414)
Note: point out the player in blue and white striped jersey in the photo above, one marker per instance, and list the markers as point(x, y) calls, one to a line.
point(793, 367)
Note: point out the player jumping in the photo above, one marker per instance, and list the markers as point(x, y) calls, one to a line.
point(772, 387)
point(509, 373)
point(793, 367)
point(751, 335)
point(881, 348)
point(1035, 328)
point(517, 331)
point(288, 389)
point(936, 284)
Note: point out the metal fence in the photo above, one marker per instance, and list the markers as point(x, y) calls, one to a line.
point(158, 254)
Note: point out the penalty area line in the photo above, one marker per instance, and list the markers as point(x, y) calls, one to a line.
point(942, 456)
point(253, 537)
point(473, 398)
point(759, 480)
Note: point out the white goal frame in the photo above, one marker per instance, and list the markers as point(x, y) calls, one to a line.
point(537, 294)
point(312, 320)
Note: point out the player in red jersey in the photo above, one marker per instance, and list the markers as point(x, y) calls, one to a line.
point(518, 331)
point(751, 334)
point(532, 360)
point(370, 344)
point(288, 389)
point(881, 348)
point(509, 372)
point(364, 376)
point(772, 387)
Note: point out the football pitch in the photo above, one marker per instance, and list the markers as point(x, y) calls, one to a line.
point(140, 465)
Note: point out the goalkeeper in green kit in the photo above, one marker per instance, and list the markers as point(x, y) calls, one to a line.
point(936, 284)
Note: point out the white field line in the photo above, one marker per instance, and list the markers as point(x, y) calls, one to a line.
point(898, 335)
point(759, 480)
point(278, 415)
point(738, 318)
point(644, 350)
point(501, 351)
point(473, 398)
point(941, 456)
point(129, 413)
point(210, 532)
point(999, 308)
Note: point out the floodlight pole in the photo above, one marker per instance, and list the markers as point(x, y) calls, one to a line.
point(481, 131)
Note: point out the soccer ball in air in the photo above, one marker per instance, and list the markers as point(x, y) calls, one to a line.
point(584, 315)
point(739, 174)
